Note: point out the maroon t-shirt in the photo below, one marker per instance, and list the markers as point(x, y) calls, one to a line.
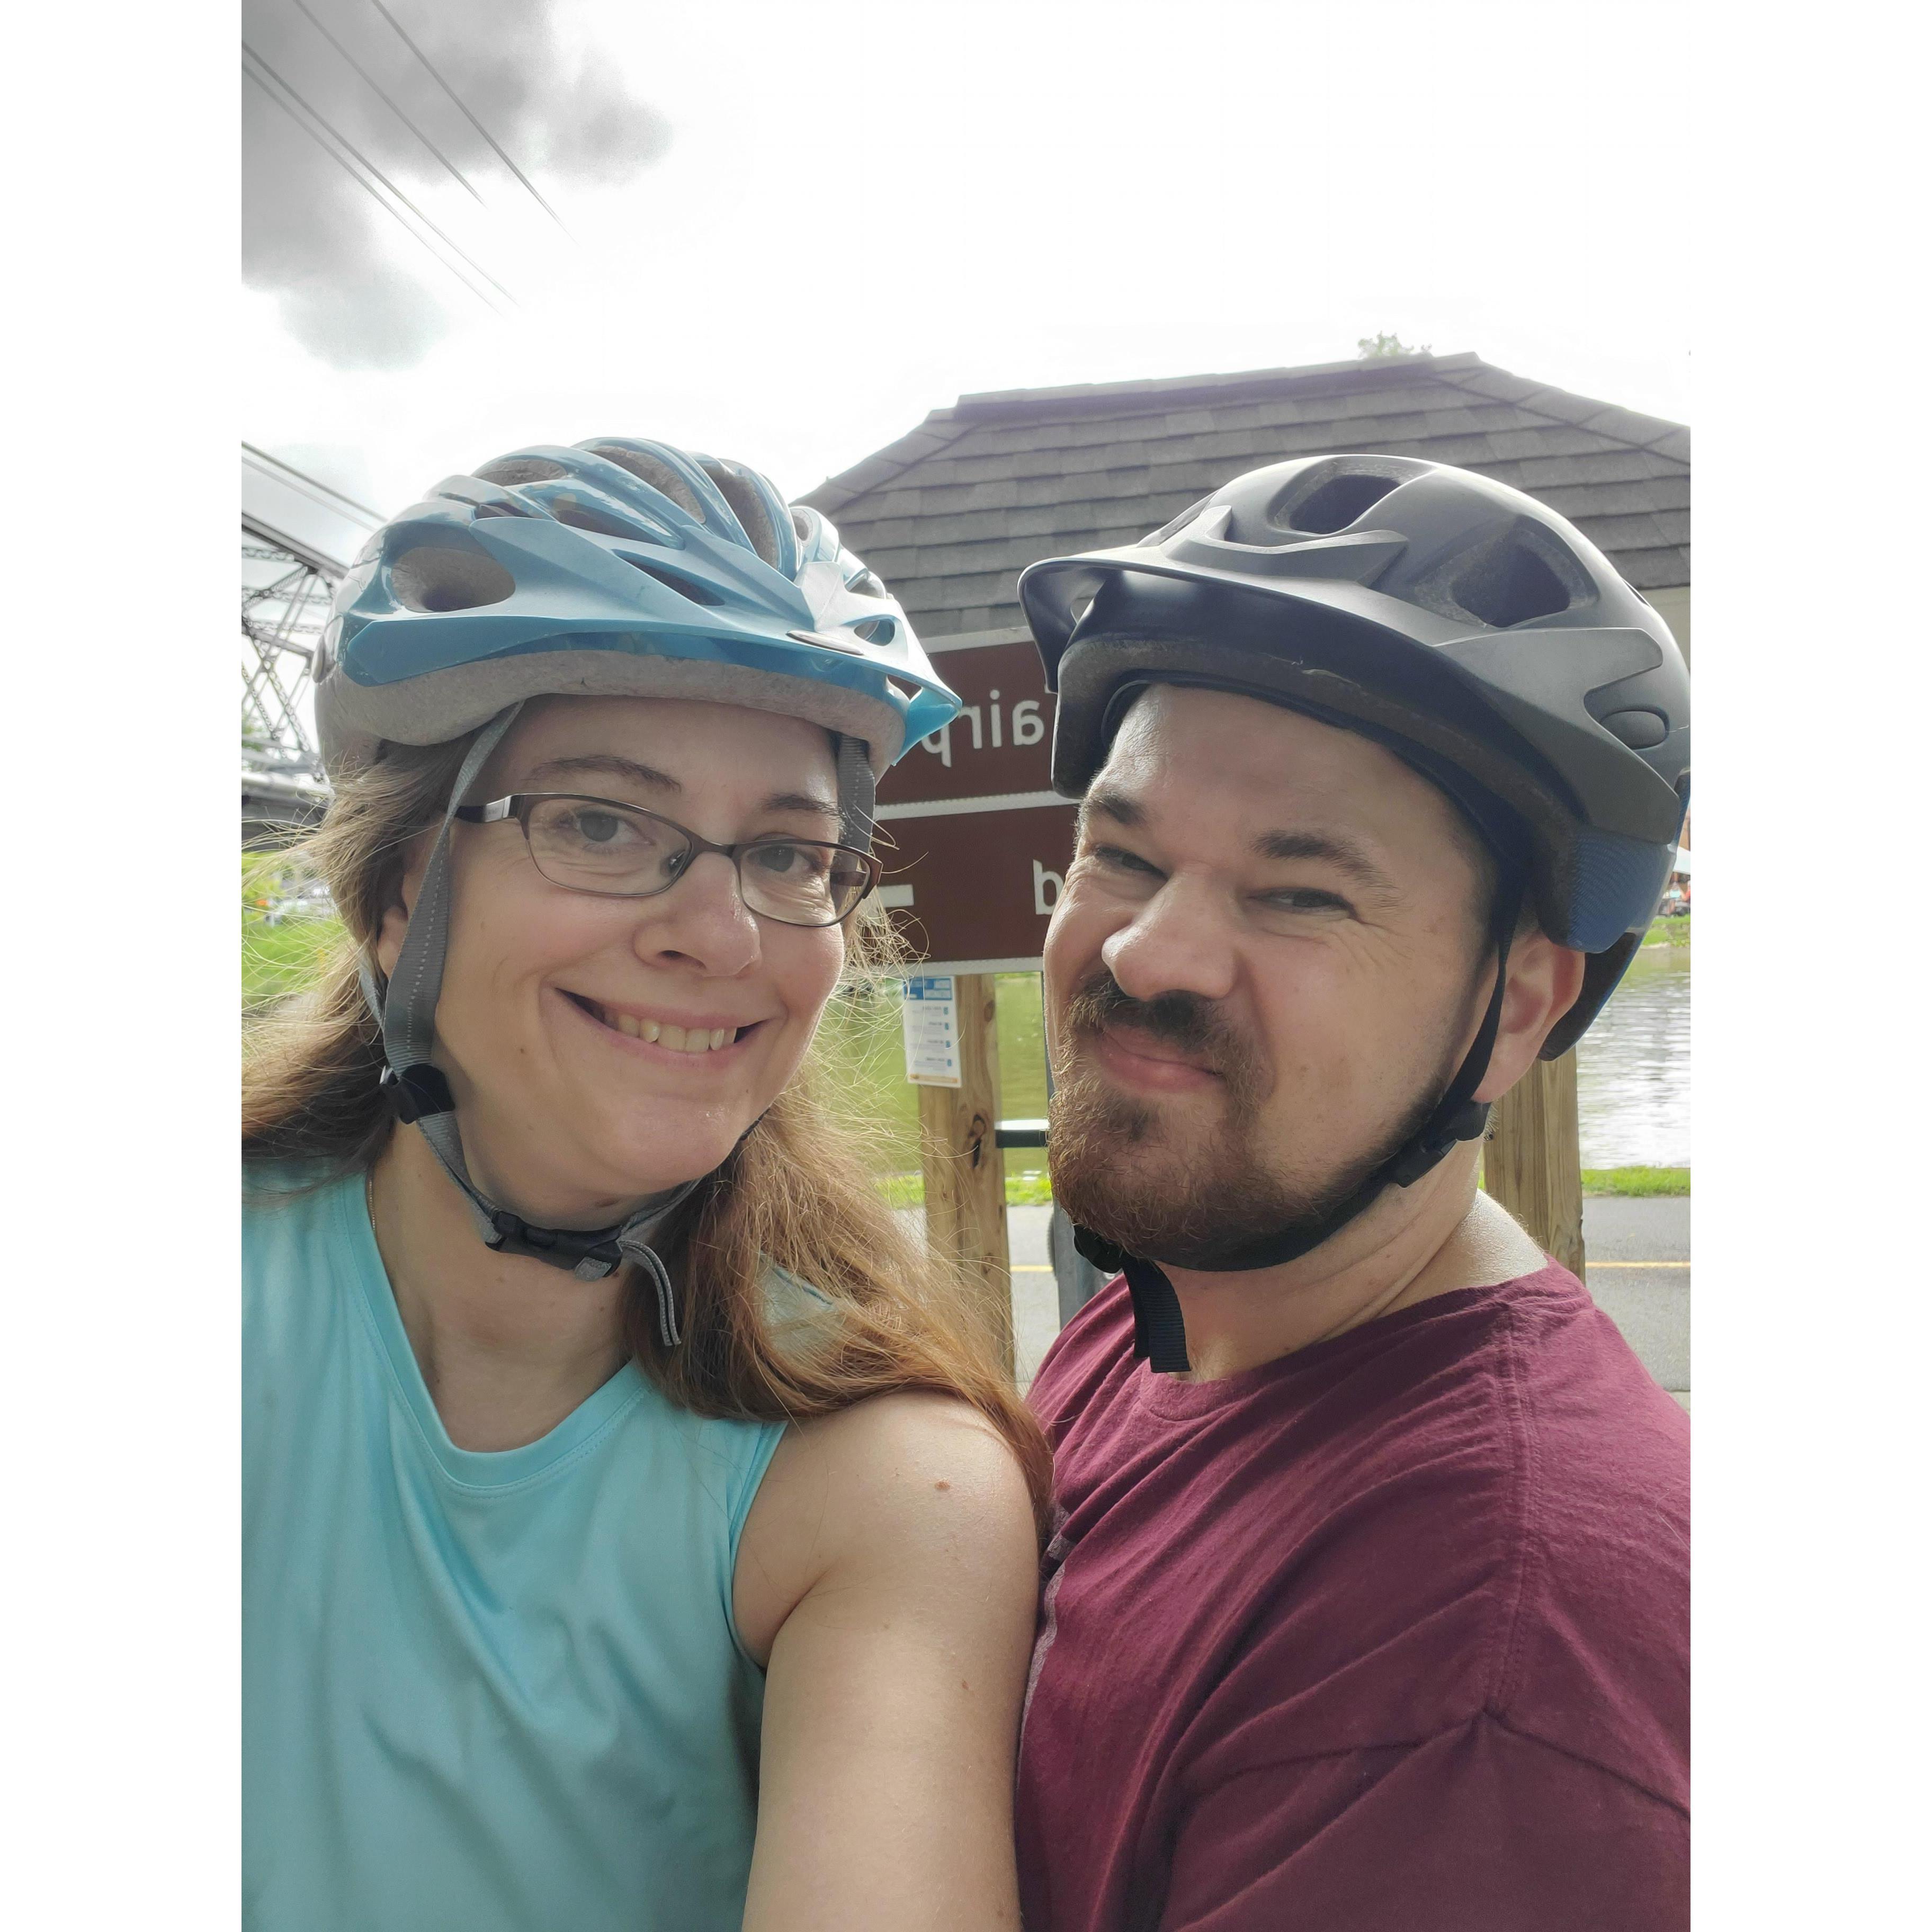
point(1388, 1636)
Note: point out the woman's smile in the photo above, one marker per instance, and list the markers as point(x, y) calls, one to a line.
point(712, 1039)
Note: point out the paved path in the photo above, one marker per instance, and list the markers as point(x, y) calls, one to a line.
point(1650, 1303)
point(1624, 1242)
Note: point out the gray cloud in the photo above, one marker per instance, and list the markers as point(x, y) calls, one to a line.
point(352, 287)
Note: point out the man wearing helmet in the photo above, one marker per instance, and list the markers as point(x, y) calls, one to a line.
point(1366, 1603)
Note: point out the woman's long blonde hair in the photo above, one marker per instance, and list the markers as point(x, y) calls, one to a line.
point(796, 1192)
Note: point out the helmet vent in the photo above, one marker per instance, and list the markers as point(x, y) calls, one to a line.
point(1509, 585)
point(866, 585)
point(509, 471)
point(580, 517)
point(1333, 506)
point(661, 476)
point(440, 578)
point(875, 630)
point(681, 585)
point(749, 507)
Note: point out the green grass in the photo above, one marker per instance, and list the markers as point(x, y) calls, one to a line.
point(862, 1047)
point(282, 950)
point(1640, 1181)
point(1026, 1187)
point(283, 958)
point(860, 1044)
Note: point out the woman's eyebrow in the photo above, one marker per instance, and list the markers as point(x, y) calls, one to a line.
point(606, 764)
point(798, 801)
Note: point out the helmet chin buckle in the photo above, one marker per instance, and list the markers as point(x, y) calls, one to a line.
point(1469, 1122)
point(417, 1092)
point(562, 1247)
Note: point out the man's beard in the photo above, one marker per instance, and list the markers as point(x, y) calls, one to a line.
point(1201, 1202)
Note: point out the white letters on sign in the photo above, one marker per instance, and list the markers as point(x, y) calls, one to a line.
point(985, 726)
point(931, 1019)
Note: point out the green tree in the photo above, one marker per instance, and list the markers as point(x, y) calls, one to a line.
point(1378, 348)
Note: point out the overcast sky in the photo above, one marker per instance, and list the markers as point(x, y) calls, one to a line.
point(794, 230)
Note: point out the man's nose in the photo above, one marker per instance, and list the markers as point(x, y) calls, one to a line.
point(703, 918)
point(1180, 940)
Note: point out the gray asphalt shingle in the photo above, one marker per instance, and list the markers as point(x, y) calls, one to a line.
point(951, 512)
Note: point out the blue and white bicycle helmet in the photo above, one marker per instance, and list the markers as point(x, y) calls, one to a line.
point(618, 567)
point(615, 567)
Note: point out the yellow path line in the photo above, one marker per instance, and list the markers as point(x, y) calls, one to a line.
point(1037, 1268)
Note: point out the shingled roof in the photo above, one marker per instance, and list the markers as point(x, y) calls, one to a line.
point(951, 514)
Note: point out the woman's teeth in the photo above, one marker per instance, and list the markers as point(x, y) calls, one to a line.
point(679, 1040)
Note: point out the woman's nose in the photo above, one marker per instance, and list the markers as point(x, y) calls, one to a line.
point(703, 918)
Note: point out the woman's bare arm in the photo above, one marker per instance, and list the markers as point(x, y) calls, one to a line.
point(888, 1571)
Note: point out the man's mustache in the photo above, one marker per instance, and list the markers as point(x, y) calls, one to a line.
point(1188, 1022)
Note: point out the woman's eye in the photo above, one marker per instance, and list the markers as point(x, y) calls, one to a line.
point(598, 828)
point(790, 862)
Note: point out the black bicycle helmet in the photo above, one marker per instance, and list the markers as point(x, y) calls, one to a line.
point(1460, 623)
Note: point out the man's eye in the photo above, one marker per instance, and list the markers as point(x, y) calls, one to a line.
point(1117, 860)
point(1303, 899)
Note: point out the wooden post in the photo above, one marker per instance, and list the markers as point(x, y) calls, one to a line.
point(1531, 1162)
point(964, 1169)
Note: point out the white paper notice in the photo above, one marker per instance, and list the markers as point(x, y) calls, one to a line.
point(932, 1031)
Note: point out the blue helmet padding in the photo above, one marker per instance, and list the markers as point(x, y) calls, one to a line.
point(1615, 889)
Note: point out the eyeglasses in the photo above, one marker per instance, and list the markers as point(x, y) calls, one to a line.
point(615, 851)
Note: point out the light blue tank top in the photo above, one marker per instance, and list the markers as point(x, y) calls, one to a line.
point(481, 1691)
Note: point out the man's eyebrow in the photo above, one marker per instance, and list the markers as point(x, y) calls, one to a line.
point(1110, 801)
point(1335, 847)
point(608, 765)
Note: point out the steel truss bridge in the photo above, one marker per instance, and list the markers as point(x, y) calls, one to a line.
point(294, 532)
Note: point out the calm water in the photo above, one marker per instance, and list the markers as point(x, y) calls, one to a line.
point(1633, 1072)
point(1633, 1067)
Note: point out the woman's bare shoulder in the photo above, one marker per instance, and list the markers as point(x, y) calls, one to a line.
point(920, 1481)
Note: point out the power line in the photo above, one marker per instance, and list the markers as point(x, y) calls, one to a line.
point(370, 166)
point(260, 459)
point(249, 74)
point(473, 120)
point(249, 53)
point(315, 22)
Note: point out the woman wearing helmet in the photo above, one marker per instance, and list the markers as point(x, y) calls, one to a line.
point(636, 1532)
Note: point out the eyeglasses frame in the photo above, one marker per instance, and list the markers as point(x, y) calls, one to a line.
point(518, 805)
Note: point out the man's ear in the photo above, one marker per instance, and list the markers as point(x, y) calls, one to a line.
point(1544, 980)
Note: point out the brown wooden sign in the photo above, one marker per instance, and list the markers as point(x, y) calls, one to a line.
point(972, 891)
point(1001, 743)
point(975, 840)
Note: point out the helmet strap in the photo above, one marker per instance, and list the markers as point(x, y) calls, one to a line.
point(857, 791)
point(1159, 1332)
point(418, 1091)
